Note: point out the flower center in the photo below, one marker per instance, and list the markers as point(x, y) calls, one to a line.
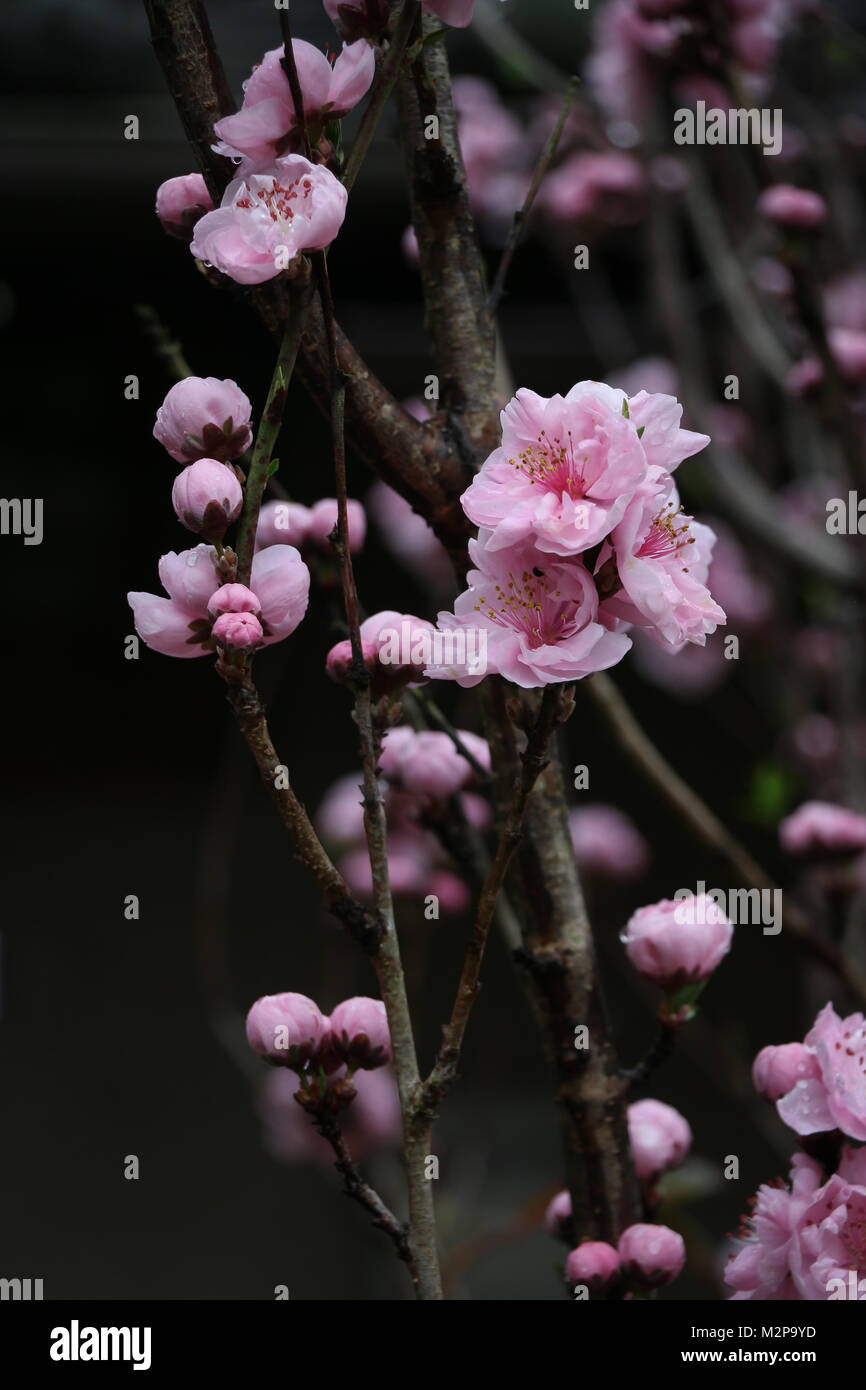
point(554, 465)
point(532, 606)
point(277, 199)
point(665, 538)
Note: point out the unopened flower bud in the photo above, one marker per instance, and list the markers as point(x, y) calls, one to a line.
point(241, 631)
point(594, 1263)
point(776, 1070)
point(557, 1217)
point(792, 207)
point(359, 1033)
point(233, 598)
point(651, 1255)
point(207, 498)
point(339, 663)
point(660, 1137)
point(678, 943)
point(204, 417)
point(286, 1029)
point(180, 202)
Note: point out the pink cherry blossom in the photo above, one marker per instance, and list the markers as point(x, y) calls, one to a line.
point(181, 624)
point(678, 942)
point(661, 559)
point(792, 207)
point(266, 219)
point(820, 828)
point(323, 519)
point(568, 466)
point(609, 185)
point(801, 1238)
point(207, 498)
point(659, 1136)
point(606, 842)
point(204, 417)
point(340, 817)
point(233, 598)
point(180, 202)
point(428, 763)
point(834, 1098)
point(265, 126)
point(534, 616)
point(282, 523)
point(408, 537)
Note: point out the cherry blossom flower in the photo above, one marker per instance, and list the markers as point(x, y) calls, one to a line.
point(181, 625)
point(661, 559)
point(534, 616)
point(266, 125)
point(606, 843)
point(204, 417)
point(835, 1098)
point(568, 466)
point(266, 219)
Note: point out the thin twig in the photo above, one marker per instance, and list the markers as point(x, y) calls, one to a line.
point(533, 761)
point(385, 82)
point(522, 213)
point(271, 422)
point(356, 1187)
point(165, 348)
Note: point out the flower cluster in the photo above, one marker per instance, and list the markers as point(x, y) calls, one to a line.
point(205, 608)
point(582, 538)
point(807, 1240)
point(290, 1030)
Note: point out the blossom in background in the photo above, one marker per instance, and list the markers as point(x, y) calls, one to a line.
point(606, 843)
point(820, 829)
point(309, 528)
point(371, 1123)
point(538, 624)
point(266, 125)
point(204, 417)
point(609, 185)
point(181, 624)
point(409, 537)
point(268, 218)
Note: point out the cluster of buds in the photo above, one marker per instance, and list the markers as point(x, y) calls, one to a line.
point(646, 1258)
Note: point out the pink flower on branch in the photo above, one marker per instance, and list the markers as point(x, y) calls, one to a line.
point(266, 126)
point(568, 466)
point(207, 498)
point(180, 202)
point(528, 617)
point(181, 625)
point(267, 219)
point(831, 1094)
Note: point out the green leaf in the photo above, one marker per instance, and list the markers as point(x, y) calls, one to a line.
point(272, 467)
point(640, 431)
point(769, 795)
point(625, 407)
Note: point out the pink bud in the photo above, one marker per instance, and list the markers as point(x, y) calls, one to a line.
point(776, 1070)
point(282, 523)
point(207, 498)
point(339, 662)
point(203, 417)
point(557, 1217)
point(595, 1263)
point(286, 1029)
point(792, 207)
point(180, 202)
point(359, 1033)
point(233, 598)
point(659, 1135)
point(652, 1255)
point(241, 631)
point(323, 519)
point(678, 943)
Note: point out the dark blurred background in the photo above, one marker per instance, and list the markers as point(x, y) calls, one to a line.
point(125, 777)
